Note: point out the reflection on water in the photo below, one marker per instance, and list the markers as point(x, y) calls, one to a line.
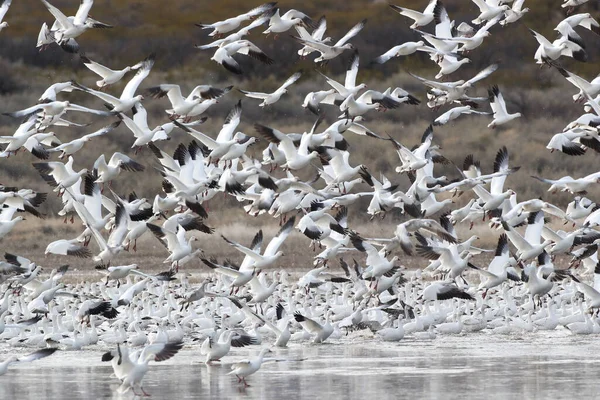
point(450, 367)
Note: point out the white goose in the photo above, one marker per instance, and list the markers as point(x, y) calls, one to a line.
point(330, 52)
point(70, 28)
point(128, 97)
point(420, 18)
point(221, 27)
point(3, 10)
point(108, 75)
point(501, 116)
point(271, 98)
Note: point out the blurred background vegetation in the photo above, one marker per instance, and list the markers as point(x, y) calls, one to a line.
point(167, 28)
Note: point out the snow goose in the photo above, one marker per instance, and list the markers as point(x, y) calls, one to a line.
point(71, 28)
point(330, 52)
point(240, 278)
point(118, 162)
point(370, 100)
point(140, 129)
point(272, 252)
point(175, 241)
point(317, 36)
point(448, 256)
point(569, 142)
point(244, 368)
point(349, 87)
point(119, 272)
point(7, 222)
point(454, 113)
point(235, 36)
point(279, 24)
point(501, 116)
point(537, 285)
point(579, 208)
point(489, 9)
point(217, 346)
point(430, 226)
point(312, 100)
point(108, 75)
point(376, 262)
point(528, 247)
point(515, 13)
point(454, 91)
point(70, 148)
point(443, 291)
point(592, 88)
point(403, 49)
point(36, 355)
point(472, 42)
point(551, 51)
point(420, 18)
point(296, 158)
point(221, 27)
point(54, 109)
point(585, 20)
point(270, 98)
point(110, 248)
point(3, 10)
point(570, 184)
point(61, 176)
point(224, 55)
point(183, 106)
point(321, 332)
point(449, 64)
point(133, 375)
point(128, 97)
point(571, 4)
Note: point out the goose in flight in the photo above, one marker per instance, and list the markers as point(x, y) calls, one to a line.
point(236, 36)
point(420, 18)
point(130, 368)
point(175, 241)
point(61, 176)
point(240, 278)
point(224, 55)
point(70, 28)
point(404, 49)
point(217, 345)
point(330, 52)
point(515, 13)
point(456, 112)
point(70, 148)
point(3, 10)
point(183, 106)
point(317, 36)
point(489, 9)
point(36, 355)
point(108, 75)
point(54, 110)
point(271, 253)
point(107, 172)
point(563, 46)
point(321, 332)
point(221, 27)
point(501, 115)
point(271, 98)
point(128, 97)
point(282, 23)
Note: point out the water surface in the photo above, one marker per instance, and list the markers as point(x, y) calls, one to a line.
point(539, 365)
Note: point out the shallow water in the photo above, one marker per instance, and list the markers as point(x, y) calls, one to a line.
point(539, 365)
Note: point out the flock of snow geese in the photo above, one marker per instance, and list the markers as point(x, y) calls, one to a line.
point(139, 317)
